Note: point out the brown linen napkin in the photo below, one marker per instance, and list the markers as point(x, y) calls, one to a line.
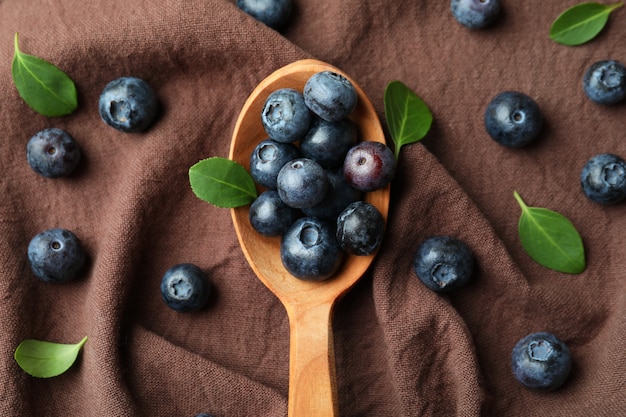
point(401, 350)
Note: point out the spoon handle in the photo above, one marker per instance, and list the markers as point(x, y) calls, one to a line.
point(312, 384)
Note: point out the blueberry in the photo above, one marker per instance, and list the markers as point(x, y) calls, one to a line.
point(185, 287)
point(327, 143)
point(56, 255)
point(337, 198)
point(302, 183)
point(603, 178)
point(273, 13)
point(604, 82)
point(52, 153)
point(475, 14)
point(309, 249)
point(360, 228)
point(268, 158)
point(541, 361)
point(270, 216)
point(369, 166)
point(513, 119)
point(128, 104)
point(443, 263)
point(329, 95)
point(204, 415)
point(285, 116)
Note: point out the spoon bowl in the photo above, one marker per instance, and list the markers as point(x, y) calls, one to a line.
point(309, 304)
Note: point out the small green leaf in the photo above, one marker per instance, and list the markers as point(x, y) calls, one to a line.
point(43, 359)
point(222, 182)
point(408, 117)
point(581, 23)
point(550, 239)
point(44, 87)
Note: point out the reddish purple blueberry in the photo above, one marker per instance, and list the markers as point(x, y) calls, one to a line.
point(369, 166)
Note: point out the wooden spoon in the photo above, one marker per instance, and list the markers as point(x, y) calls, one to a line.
point(309, 305)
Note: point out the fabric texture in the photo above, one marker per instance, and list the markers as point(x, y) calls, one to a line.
point(400, 349)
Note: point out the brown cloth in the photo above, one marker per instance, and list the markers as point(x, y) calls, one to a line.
point(401, 350)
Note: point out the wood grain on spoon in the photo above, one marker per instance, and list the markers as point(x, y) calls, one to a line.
point(309, 305)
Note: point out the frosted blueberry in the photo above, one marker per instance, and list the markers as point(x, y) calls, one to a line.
point(128, 104)
point(329, 95)
point(603, 178)
point(513, 119)
point(475, 14)
point(327, 143)
point(360, 228)
point(270, 216)
point(56, 255)
point(541, 361)
point(185, 287)
point(268, 158)
point(302, 183)
point(309, 249)
point(52, 153)
point(443, 263)
point(285, 116)
point(273, 13)
point(604, 82)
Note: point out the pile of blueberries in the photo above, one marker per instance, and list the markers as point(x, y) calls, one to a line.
point(127, 104)
point(314, 171)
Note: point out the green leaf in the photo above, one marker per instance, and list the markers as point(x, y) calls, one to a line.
point(44, 87)
point(222, 182)
point(550, 239)
point(408, 117)
point(581, 23)
point(43, 359)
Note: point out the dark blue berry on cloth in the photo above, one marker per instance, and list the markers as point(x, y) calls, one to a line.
point(513, 119)
point(604, 82)
point(541, 361)
point(603, 178)
point(56, 255)
point(53, 153)
point(128, 104)
point(443, 263)
point(185, 287)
